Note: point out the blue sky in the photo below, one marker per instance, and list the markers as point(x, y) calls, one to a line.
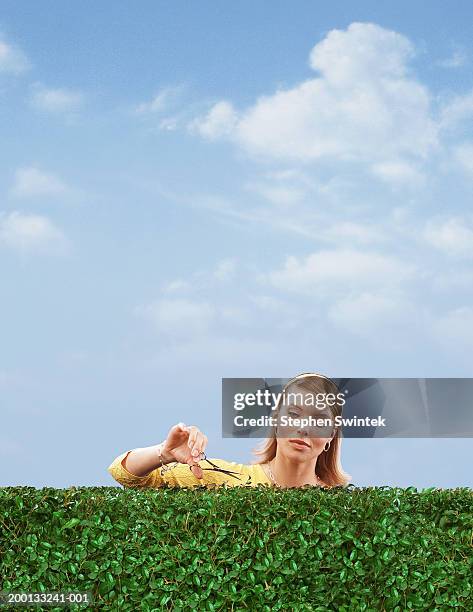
point(197, 191)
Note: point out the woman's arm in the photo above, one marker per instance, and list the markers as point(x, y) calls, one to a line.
point(142, 461)
point(180, 475)
point(184, 444)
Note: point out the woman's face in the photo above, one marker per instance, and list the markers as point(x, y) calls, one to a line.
point(301, 435)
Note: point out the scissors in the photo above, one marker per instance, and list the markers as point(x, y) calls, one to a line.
point(215, 468)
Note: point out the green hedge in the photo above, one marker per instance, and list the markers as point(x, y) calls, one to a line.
point(344, 549)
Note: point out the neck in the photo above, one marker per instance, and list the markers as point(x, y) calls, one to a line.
point(293, 473)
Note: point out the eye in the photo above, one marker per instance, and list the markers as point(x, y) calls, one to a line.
point(292, 413)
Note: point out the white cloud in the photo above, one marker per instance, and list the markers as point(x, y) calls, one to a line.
point(453, 236)
point(272, 305)
point(339, 271)
point(278, 194)
point(345, 293)
point(59, 100)
point(364, 106)
point(455, 328)
point(12, 59)
point(268, 302)
point(161, 100)
point(362, 52)
point(463, 155)
point(176, 286)
point(169, 124)
point(366, 313)
point(347, 232)
point(235, 315)
point(31, 233)
point(284, 188)
point(217, 351)
point(452, 281)
point(457, 109)
point(456, 60)
point(182, 318)
point(225, 269)
point(31, 182)
point(313, 218)
point(293, 175)
point(218, 123)
point(178, 318)
point(398, 172)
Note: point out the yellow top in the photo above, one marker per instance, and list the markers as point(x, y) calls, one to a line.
point(181, 476)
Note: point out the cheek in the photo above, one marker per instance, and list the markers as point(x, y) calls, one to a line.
point(319, 443)
point(284, 443)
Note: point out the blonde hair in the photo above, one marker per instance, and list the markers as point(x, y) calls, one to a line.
point(328, 467)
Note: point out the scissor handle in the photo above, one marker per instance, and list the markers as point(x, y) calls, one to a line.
point(215, 468)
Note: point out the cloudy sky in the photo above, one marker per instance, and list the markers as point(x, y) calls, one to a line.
point(197, 191)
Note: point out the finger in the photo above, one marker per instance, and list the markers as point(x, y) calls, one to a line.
point(202, 444)
point(192, 461)
point(197, 471)
point(198, 447)
point(193, 432)
point(177, 430)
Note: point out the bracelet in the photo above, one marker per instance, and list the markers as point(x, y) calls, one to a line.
point(164, 467)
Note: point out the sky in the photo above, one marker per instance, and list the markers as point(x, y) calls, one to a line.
point(191, 191)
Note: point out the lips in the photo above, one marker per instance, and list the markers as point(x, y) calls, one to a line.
point(299, 443)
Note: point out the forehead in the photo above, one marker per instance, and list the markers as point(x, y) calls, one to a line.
point(312, 389)
point(296, 395)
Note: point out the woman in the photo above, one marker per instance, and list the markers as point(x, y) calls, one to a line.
point(289, 457)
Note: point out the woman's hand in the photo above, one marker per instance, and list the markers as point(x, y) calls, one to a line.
point(185, 444)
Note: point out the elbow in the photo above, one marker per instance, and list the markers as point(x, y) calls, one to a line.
point(112, 471)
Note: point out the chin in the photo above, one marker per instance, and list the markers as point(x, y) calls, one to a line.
point(297, 454)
